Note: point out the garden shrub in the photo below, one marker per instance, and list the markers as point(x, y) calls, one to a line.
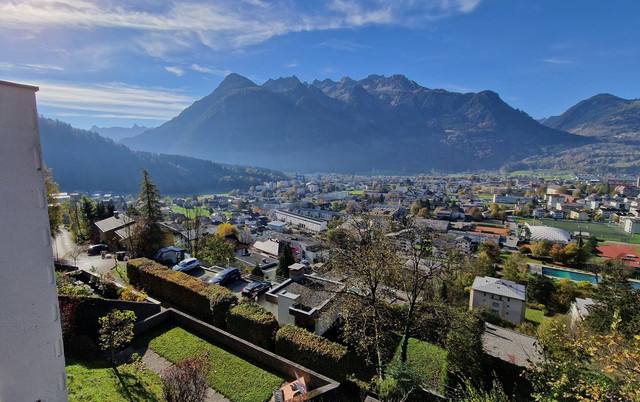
point(186, 380)
point(252, 322)
point(207, 302)
point(314, 351)
point(220, 300)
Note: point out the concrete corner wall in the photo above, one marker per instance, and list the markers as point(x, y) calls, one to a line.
point(32, 363)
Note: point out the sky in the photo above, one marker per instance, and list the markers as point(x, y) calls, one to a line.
point(119, 63)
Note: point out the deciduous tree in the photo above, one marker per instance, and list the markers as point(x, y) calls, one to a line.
point(116, 330)
point(216, 250)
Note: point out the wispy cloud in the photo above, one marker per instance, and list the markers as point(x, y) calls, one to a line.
point(292, 64)
point(112, 100)
point(29, 67)
point(175, 70)
point(557, 60)
point(207, 70)
point(162, 29)
point(341, 44)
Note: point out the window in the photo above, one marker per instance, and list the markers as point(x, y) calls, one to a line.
point(496, 305)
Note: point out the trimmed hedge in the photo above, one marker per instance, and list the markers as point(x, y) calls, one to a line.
point(311, 350)
point(253, 323)
point(221, 300)
point(207, 302)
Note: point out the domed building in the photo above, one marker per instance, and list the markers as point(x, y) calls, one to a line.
point(550, 234)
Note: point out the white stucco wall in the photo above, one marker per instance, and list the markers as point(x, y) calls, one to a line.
point(509, 308)
point(31, 353)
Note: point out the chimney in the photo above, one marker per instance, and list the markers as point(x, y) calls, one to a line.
point(296, 272)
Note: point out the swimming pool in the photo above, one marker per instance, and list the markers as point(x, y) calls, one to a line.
point(574, 276)
point(577, 276)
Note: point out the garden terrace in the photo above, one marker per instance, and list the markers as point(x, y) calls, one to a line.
point(321, 387)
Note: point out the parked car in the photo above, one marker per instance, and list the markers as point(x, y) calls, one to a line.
point(96, 249)
point(256, 288)
point(186, 264)
point(226, 276)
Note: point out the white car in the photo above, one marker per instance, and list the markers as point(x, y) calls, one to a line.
point(186, 264)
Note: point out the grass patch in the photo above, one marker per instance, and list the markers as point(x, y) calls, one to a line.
point(428, 360)
point(95, 380)
point(235, 378)
point(190, 212)
point(600, 230)
point(356, 192)
point(121, 272)
point(227, 214)
point(534, 316)
point(485, 196)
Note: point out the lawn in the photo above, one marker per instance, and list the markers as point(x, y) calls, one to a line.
point(121, 272)
point(428, 360)
point(95, 380)
point(534, 316)
point(356, 192)
point(485, 196)
point(190, 212)
point(600, 230)
point(235, 378)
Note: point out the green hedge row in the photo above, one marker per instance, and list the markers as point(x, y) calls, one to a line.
point(207, 302)
point(252, 322)
point(313, 351)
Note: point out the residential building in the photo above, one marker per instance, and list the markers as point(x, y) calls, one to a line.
point(304, 222)
point(32, 366)
point(305, 301)
point(504, 298)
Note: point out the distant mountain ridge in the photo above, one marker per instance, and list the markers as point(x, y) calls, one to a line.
point(85, 161)
point(377, 123)
point(604, 115)
point(118, 133)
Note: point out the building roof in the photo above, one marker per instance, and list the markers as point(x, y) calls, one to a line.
point(15, 84)
point(314, 292)
point(268, 246)
point(583, 304)
point(113, 223)
point(500, 287)
point(554, 235)
point(513, 347)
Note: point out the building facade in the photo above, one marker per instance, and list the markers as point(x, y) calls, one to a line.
point(504, 298)
point(32, 366)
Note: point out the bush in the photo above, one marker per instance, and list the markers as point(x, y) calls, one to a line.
point(207, 302)
point(220, 300)
point(187, 379)
point(253, 323)
point(130, 294)
point(311, 350)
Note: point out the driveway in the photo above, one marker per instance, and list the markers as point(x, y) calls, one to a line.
point(62, 247)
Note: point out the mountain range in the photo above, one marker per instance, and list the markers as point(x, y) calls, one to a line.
point(119, 133)
point(604, 115)
point(85, 161)
point(381, 124)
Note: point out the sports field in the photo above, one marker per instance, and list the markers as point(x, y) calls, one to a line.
point(601, 230)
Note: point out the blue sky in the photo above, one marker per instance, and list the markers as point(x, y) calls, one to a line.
point(116, 63)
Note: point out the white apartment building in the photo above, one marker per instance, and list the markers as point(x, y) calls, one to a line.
point(32, 364)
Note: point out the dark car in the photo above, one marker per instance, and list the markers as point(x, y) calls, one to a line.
point(186, 264)
point(225, 276)
point(256, 288)
point(96, 249)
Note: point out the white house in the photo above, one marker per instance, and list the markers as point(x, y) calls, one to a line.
point(504, 298)
point(632, 225)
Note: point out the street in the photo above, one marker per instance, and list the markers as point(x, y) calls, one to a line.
point(63, 246)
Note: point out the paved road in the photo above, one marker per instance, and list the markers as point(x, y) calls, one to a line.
point(63, 246)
